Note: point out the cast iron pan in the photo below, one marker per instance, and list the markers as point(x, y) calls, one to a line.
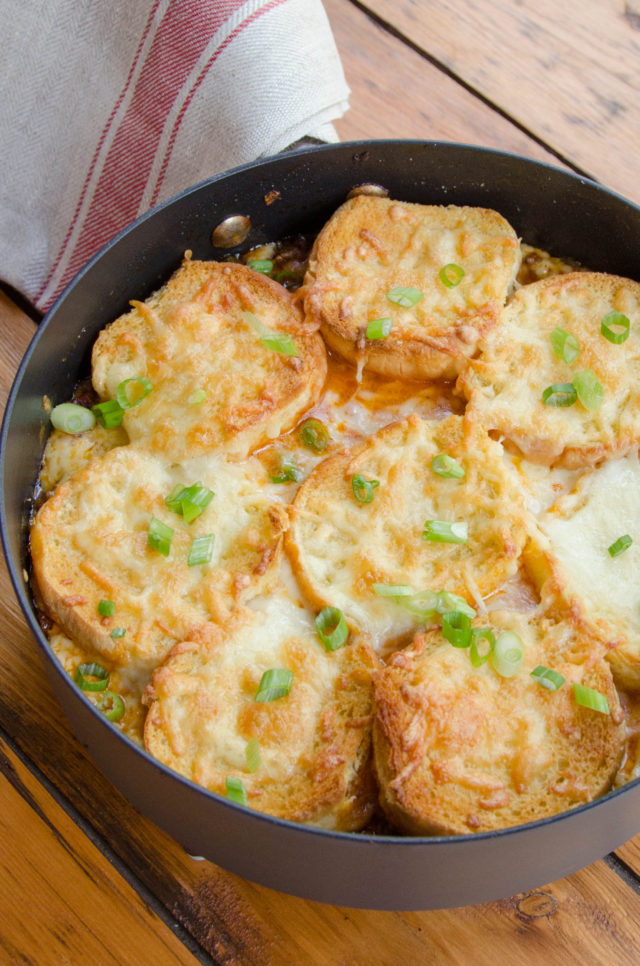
point(553, 209)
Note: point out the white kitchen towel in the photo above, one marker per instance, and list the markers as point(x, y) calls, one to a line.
point(108, 108)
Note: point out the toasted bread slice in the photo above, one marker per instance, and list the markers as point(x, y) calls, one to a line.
point(64, 453)
point(518, 363)
point(459, 749)
point(195, 336)
point(573, 553)
point(374, 245)
point(89, 543)
point(313, 763)
point(341, 549)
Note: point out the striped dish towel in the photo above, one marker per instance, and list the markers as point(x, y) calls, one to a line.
point(108, 108)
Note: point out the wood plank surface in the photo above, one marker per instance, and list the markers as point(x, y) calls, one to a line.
point(566, 72)
point(60, 897)
point(397, 93)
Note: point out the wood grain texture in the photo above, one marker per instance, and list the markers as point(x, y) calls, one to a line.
point(397, 93)
point(593, 915)
point(566, 72)
point(61, 900)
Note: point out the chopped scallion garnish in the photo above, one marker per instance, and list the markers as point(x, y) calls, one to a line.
point(109, 413)
point(288, 472)
point(477, 655)
point(620, 545)
point(442, 531)
point(590, 698)
point(547, 677)
point(332, 628)
point(91, 677)
point(615, 327)
point(560, 394)
point(314, 435)
point(252, 754)
point(236, 792)
point(393, 590)
point(362, 488)
point(508, 654)
point(201, 550)
point(274, 683)
point(448, 602)
point(132, 391)
point(72, 418)
point(456, 628)
point(106, 608)
point(189, 501)
point(406, 297)
point(111, 705)
point(564, 345)
point(118, 632)
point(277, 341)
point(262, 265)
point(590, 391)
point(451, 275)
point(379, 328)
point(197, 396)
point(446, 466)
point(159, 536)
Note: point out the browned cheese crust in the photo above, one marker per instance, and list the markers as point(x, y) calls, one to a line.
point(373, 245)
point(314, 743)
point(340, 548)
point(459, 749)
point(193, 335)
point(89, 543)
point(504, 385)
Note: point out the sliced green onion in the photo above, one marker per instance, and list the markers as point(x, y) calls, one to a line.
point(289, 471)
point(451, 275)
point(236, 792)
point(262, 265)
point(252, 755)
point(393, 590)
point(615, 327)
point(476, 656)
point(589, 698)
point(280, 342)
point(547, 677)
point(189, 501)
point(379, 328)
point(406, 297)
point(456, 627)
point(446, 466)
point(589, 390)
point(159, 536)
point(274, 683)
point(314, 435)
point(109, 414)
point(197, 396)
point(201, 550)
point(118, 632)
point(424, 604)
point(620, 545)
point(363, 489)
point(560, 394)
point(91, 677)
point(442, 531)
point(448, 602)
point(132, 391)
point(106, 608)
point(564, 345)
point(508, 654)
point(111, 705)
point(72, 418)
point(332, 628)
point(277, 341)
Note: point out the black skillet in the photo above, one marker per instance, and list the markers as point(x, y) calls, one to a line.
point(295, 192)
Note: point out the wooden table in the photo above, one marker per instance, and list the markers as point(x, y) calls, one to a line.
point(83, 877)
